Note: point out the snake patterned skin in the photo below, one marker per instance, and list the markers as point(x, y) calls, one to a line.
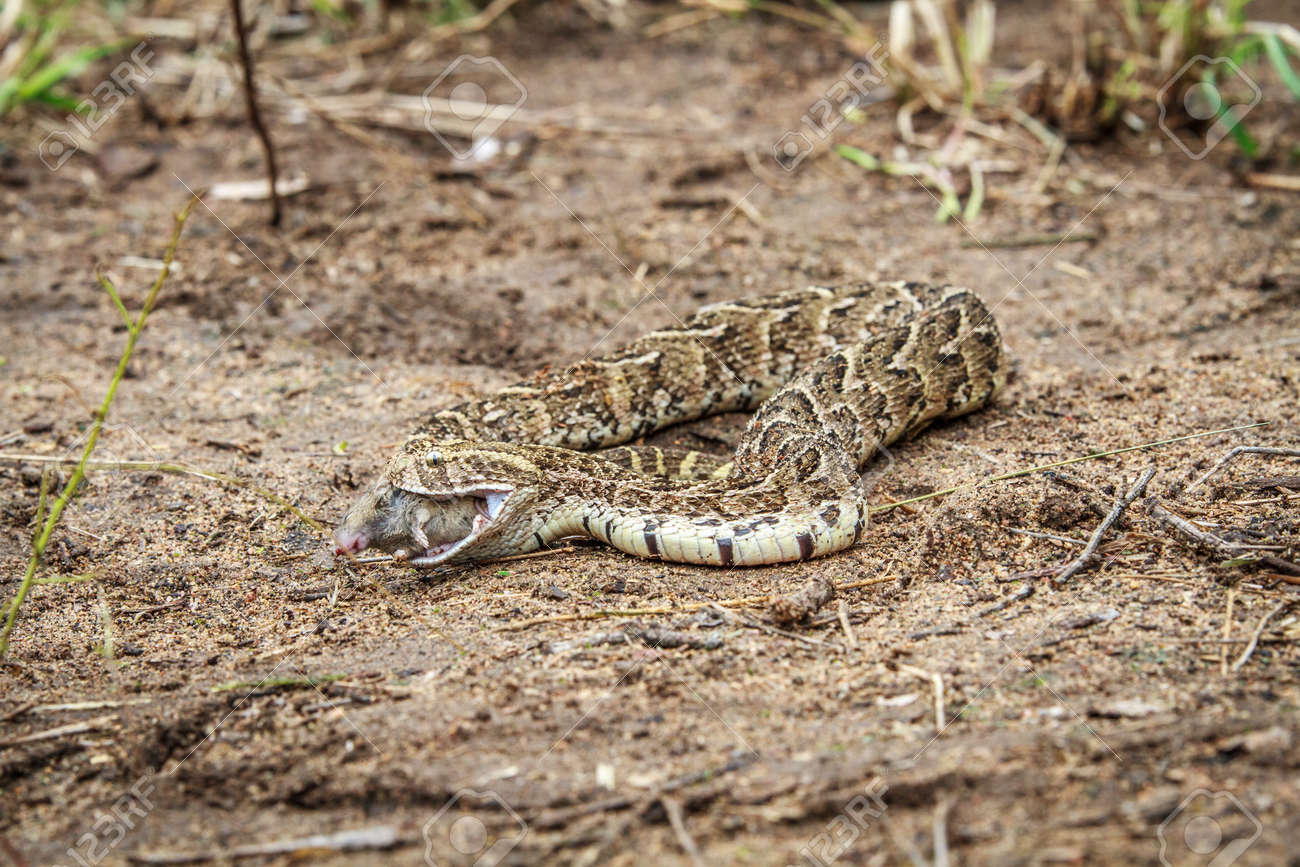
point(834, 374)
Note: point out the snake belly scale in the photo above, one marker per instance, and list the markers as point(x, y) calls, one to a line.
point(833, 374)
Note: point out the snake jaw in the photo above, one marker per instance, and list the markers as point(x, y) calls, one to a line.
point(421, 527)
point(406, 524)
point(488, 506)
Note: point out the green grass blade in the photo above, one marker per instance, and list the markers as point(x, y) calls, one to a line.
point(1244, 140)
point(56, 101)
point(858, 157)
point(1276, 52)
point(65, 67)
point(108, 286)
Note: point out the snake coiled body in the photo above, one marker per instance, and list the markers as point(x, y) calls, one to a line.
point(834, 373)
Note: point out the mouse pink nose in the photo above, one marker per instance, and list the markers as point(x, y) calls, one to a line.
point(347, 541)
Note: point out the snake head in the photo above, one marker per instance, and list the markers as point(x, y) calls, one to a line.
point(440, 502)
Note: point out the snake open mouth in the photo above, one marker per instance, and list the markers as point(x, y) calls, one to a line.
point(431, 524)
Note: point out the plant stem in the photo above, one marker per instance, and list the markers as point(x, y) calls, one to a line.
point(79, 472)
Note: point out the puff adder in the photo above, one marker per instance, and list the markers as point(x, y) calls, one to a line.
point(833, 374)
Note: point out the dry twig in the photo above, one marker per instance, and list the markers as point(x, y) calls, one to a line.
point(378, 837)
point(1220, 546)
point(849, 637)
point(1254, 639)
point(1021, 595)
point(1121, 504)
point(1227, 632)
point(1242, 450)
point(255, 116)
point(673, 809)
point(936, 680)
point(76, 728)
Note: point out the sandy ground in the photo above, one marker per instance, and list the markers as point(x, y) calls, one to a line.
point(242, 689)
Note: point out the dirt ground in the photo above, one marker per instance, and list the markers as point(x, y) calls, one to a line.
point(223, 684)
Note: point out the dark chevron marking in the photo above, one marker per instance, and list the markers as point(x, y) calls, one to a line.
point(805, 545)
point(724, 548)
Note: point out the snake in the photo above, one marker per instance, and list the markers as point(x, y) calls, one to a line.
point(831, 374)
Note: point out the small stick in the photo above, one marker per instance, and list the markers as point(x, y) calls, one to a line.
point(936, 681)
point(1187, 528)
point(679, 21)
point(152, 609)
point(1120, 505)
point(1038, 240)
point(1280, 498)
point(849, 637)
point(1221, 546)
point(378, 837)
point(17, 712)
point(1242, 450)
point(1052, 536)
point(673, 808)
point(911, 510)
point(1254, 639)
point(1024, 593)
point(1031, 574)
point(388, 558)
point(88, 705)
point(1290, 183)
point(941, 832)
point(534, 554)
point(1189, 580)
point(255, 116)
point(793, 636)
point(76, 728)
point(87, 533)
